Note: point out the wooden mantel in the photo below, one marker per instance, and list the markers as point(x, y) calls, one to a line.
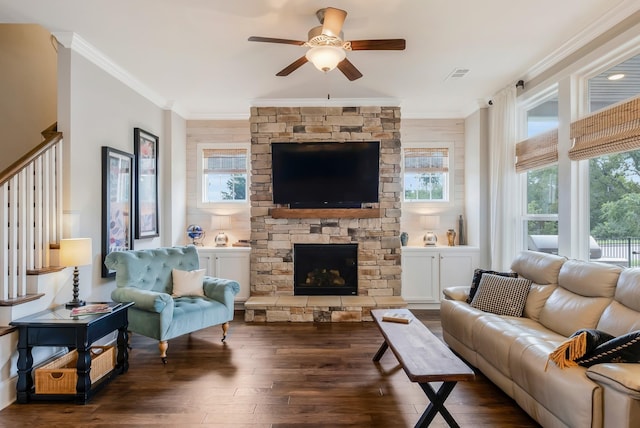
point(325, 212)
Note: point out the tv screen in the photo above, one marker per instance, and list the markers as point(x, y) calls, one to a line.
point(325, 175)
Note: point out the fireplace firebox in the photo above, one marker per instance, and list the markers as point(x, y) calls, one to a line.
point(325, 269)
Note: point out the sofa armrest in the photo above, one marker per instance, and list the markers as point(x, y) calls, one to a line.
point(460, 293)
point(147, 300)
point(222, 290)
point(623, 377)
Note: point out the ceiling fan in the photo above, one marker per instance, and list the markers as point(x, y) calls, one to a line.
point(327, 48)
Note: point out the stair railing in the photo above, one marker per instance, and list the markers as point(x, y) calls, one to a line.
point(30, 214)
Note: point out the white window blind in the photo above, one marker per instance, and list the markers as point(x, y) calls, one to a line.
point(224, 161)
point(425, 160)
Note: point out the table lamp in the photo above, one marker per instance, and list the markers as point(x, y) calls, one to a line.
point(220, 223)
point(430, 222)
point(73, 253)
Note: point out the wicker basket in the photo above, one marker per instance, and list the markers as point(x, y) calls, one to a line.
point(60, 376)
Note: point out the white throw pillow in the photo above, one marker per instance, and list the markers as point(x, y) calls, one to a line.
point(187, 283)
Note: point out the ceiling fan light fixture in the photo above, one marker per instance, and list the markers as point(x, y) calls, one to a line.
point(325, 58)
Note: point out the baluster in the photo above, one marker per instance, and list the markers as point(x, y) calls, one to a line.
point(39, 245)
point(13, 237)
point(46, 204)
point(31, 238)
point(21, 242)
point(4, 241)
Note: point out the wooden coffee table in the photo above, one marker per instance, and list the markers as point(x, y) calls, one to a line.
point(425, 359)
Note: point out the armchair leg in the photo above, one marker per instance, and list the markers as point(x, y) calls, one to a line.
point(225, 328)
point(163, 345)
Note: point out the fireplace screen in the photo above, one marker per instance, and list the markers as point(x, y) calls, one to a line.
point(325, 269)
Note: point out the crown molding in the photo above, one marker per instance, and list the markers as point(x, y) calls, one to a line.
point(323, 102)
point(73, 41)
point(610, 19)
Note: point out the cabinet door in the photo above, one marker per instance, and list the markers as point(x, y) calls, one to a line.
point(234, 266)
point(457, 268)
point(206, 262)
point(420, 277)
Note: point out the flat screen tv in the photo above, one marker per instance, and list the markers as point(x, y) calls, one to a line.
point(325, 174)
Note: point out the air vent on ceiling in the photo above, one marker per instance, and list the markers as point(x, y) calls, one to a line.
point(457, 73)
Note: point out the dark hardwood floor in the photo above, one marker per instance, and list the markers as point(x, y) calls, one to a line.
point(271, 375)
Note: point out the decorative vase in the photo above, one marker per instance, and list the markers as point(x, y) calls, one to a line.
point(404, 238)
point(461, 237)
point(451, 237)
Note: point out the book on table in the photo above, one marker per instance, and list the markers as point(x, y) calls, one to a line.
point(401, 317)
point(92, 309)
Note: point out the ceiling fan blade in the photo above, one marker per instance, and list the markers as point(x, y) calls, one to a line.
point(379, 45)
point(272, 40)
point(332, 21)
point(293, 66)
point(349, 70)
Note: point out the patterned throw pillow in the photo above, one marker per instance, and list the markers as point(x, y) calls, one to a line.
point(622, 349)
point(579, 344)
point(477, 276)
point(502, 295)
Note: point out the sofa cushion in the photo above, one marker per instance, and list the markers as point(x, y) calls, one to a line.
point(537, 297)
point(618, 319)
point(622, 349)
point(187, 283)
point(477, 276)
point(628, 289)
point(501, 295)
point(541, 268)
point(568, 394)
point(566, 312)
point(589, 279)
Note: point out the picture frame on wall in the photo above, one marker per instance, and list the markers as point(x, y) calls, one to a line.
point(146, 158)
point(117, 203)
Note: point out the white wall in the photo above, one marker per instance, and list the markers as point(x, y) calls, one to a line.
point(223, 132)
point(477, 183)
point(28, 88)
point(97, 110)
point(437, 131)
point(173, 174)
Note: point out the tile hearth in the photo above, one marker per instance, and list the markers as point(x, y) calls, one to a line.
point(317, 308)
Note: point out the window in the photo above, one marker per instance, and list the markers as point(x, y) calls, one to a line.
point(541, 183)
point(614, 176)
point(426, 174)
point(223, 174)
point(616, 84)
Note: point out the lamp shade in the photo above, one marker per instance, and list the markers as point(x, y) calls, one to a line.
point(430, 222)
point(220, 222)
point(325, 58)
point(75, 252)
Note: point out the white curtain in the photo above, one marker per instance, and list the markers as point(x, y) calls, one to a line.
point(504, 190)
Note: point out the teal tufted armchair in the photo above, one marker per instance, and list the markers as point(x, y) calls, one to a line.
point(145, 278)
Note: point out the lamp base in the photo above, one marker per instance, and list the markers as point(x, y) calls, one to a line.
point(430, 239)
point(75, 304)
point(222, 239)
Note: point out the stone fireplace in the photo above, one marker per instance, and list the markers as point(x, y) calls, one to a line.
point(275, 230)
point(325, 269)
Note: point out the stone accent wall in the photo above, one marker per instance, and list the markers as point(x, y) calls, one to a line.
point(379, 270)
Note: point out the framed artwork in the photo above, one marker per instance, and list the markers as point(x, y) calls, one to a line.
point(146, 155)
point(117, 207)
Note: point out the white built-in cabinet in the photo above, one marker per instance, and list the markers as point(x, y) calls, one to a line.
point(228, 263)
point(426, 271)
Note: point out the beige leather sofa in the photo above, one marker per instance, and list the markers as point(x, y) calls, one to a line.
point(512, 352)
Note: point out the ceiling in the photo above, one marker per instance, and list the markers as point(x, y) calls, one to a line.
point(194, 57)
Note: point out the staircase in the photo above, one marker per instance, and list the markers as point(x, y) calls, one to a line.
point(30, 220)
